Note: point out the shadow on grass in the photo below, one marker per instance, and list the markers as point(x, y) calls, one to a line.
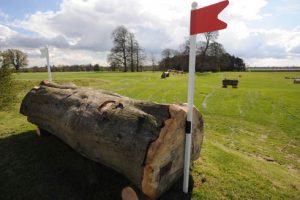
point(203, 73)
point(33, 167)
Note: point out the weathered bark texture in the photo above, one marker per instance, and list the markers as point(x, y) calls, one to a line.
point(142, 140)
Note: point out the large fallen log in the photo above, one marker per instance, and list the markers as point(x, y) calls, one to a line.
point(142, 140)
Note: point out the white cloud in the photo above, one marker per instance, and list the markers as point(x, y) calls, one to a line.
point(287, 38)
point(296, 50)
point(258, 46)
point(6, 32)
point(39, 22)
point(65, 57)
point(274, 62)
point(247, 10)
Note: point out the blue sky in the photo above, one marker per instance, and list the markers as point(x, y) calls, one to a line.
point(18, 9)
point(262, 32)
point(284, 14)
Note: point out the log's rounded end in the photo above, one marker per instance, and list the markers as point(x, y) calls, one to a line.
point(38, 131)
point(41, 132)
point(164, 160)
point(129, 194)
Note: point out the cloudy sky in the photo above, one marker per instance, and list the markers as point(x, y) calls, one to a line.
point(262, 32)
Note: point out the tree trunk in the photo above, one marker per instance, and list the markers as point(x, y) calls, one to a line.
point(131, 53)
point(137, 59)
point(124, 56)
point(142, 140)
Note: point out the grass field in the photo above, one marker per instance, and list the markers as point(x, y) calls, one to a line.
point(251, 148)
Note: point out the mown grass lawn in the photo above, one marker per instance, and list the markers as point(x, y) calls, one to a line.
point(251, 148)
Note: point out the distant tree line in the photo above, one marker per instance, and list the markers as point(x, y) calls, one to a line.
point(274, 69)
point(127, 55)
point(81, 68)
point(67, 68)
point(210, 56)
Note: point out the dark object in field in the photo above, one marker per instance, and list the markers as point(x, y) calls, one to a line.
point(287, 77)
point(233, 83)
point(142, 140)
point(174, 71)
point(165, 75)
point(296, 81)
point(170, 72)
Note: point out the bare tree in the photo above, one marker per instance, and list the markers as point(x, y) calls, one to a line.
point(138, 54)
point(185, 47)
point(166, 55)
point(118, 54)
point(140, 58)
point(115, 60)
point(209, 38)
point(131, 49)
point(203, 47)
point(16, 58)
point(215, 50)
point(153, 62)
point(126, 51)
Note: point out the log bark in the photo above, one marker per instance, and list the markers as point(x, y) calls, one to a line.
point(142, 140)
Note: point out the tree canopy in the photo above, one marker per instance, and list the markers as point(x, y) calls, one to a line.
point(210, 56)
point(15, 58)
point(7, 92)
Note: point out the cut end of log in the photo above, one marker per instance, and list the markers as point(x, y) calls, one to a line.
point(165, 158)
point(129, 194)
point(36, 87)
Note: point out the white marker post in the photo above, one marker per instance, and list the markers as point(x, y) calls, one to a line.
point(188, 135)
point(45, 54)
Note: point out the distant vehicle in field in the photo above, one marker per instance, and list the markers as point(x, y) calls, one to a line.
point(232, 82)
point(165, 75)
point(170, 72)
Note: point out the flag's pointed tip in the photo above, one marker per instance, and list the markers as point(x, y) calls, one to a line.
point(209, 15)
point(226, 3)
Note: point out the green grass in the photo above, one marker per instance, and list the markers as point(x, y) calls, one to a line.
point(250, 150)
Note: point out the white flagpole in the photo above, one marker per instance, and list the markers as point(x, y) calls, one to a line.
point(188, 135)
point(48, 65)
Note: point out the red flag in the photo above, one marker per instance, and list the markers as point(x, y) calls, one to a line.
point(206, 19)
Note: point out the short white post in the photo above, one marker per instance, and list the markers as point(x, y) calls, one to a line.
point(48, 65)
point(1, 61)
point(188, 135)
point(45, 54)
